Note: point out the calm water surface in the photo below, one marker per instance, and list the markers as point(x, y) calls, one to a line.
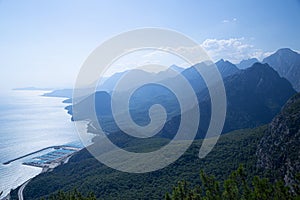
point(29, 122)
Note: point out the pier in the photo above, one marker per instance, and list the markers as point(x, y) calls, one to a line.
point(29, 154)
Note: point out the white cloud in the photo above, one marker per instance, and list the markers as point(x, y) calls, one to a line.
point(232, 49)
point(229, 20)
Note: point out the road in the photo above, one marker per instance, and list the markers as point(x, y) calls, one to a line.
point(20, 192)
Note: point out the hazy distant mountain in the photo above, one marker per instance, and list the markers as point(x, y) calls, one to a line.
point(226, 68)
point(244, 64)
point(176, 68)
point(254, 97)
point(287, 63)
point(279, 150)
point(109, 83)
point(65, 93)
point(192, 75)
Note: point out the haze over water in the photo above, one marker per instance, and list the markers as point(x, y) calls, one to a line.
point(29, 122)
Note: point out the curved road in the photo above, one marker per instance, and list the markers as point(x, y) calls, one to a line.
point(20, 192)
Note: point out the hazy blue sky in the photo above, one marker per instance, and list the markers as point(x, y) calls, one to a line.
point(44, 43)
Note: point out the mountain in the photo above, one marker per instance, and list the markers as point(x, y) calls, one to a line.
point(176, 68)
point(109, 83)
point(254, 96)
point(87, 174)
point(85, 107)
point(65, 93)
point(287, 63)
point(279, 150)
point(226, 68)
point(272, 148)
point(195, 79)
point(244, 64)
point(152, 94)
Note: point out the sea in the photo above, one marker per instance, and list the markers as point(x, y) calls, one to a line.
point(30, 122)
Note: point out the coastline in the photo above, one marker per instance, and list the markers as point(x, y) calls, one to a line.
point(11, 181)
point(15, 192)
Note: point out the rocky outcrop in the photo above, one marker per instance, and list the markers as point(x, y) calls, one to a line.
point(279, 149)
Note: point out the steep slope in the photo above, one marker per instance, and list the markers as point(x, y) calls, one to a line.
point(279, 149)
point(109, 83)
point(287, 63)
point(87, 174)
point(274, 147)
point(226, 68)
point(254, 97)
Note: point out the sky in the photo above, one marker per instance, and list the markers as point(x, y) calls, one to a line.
point(44, 43)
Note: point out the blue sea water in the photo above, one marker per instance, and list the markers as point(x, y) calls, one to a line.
point(29, 122)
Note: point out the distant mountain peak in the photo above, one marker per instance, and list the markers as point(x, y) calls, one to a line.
point(283, 51)
point(246, 63)
point(287, 63)
point(223, 61)
point(226, 68)
point(257, 94)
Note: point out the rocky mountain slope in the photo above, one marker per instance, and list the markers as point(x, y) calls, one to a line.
point(279, 149)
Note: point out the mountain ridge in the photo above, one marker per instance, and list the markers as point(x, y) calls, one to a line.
point(255, 97)
point(246, 63)
point(232, 149)
point(287, 63)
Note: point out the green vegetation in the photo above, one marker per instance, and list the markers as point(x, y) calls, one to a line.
point(279, 149)
point(234, 188)
point(74, 195)
point(250, 147)
point(87, 174)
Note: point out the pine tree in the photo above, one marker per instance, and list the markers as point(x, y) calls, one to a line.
point(235, 187)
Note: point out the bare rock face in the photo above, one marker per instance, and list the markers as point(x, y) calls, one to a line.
point(279, 149)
